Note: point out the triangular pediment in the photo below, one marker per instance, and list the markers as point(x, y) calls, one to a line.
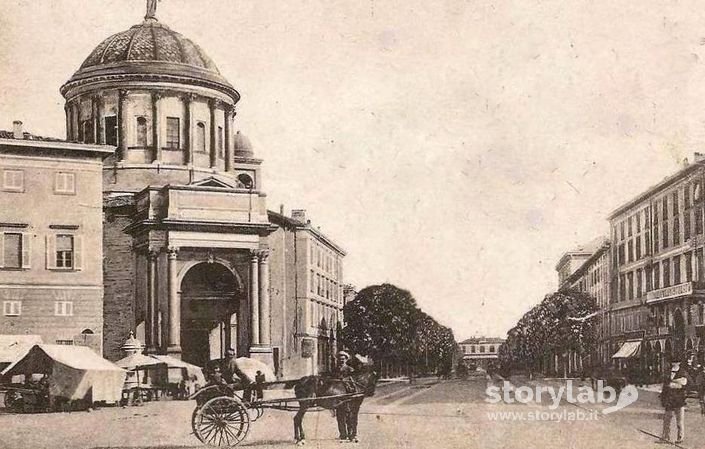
point(212, 182)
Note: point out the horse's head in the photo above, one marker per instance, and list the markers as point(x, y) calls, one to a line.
point(368, 379)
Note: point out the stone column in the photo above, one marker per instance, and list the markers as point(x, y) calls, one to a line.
point(99, 112)
point(228, 138)
point(156, 127)
point(75, 120)
point(122, 120)
point(77, 116)
point(264, 309)
point(94, 118)
point(188, 126)
point(67, 112)
point(174, 338)
point(254, 297)
point(150, 331)
point(213, 150)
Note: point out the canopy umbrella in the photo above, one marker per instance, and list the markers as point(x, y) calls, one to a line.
point(188, 369)
point(137, 360)
point(249, 368)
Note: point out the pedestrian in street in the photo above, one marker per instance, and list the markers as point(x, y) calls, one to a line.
point(673, 400)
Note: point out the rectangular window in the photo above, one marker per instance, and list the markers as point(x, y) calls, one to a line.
point(664, 208)
point(686, 226)
point(676, 231)
point(64, 342)
point(638, 222)
point(221, 147)
point(12, 308)
point(638, 283)
point(622, 287)
point(686, 197)
point(638, 247)
point(87, 131)
point(63, 308)
point(621, 231)
point(688, 266)
point(630, 251)
point(656, 239)
point(700, 263)
point(666, 269)
point(664, 235)
point(173, 133)
point(313, 282)
point(111, 130)
point(649, 280)
point(12, 250)
point(698, 220)
point(620, 254)
point(65, 183)
point(676, 270)
point(13, 180)
point(647, 242)
point(629, 226)
point(64, 251)
point(630, 285)
point(657, 276)
point(675, 203)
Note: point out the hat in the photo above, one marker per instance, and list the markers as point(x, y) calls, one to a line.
point(344, 354)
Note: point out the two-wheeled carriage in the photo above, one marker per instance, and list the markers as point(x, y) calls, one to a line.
point(223, 416)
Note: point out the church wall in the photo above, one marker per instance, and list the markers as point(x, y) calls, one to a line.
point(119, 274)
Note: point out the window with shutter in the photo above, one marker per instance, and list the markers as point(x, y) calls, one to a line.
point(12, 250)
point(12, 308)
point(64, 251)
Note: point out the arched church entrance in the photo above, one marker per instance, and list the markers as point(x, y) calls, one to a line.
point(209, 312)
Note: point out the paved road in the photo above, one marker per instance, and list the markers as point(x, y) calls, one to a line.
point(428, 414)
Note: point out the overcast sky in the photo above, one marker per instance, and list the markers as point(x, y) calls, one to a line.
point(453, 148)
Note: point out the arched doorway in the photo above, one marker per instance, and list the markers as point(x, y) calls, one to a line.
point(678, 332)
point(209, 312)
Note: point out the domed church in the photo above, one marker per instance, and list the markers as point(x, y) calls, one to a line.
point(193, 260)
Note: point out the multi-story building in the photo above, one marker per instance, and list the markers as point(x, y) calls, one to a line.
point(51, 258)
point(481, 350)
point(657, 254)
point(593, 278)
point(309, 293)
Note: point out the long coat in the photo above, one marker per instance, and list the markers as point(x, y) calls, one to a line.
point(674, 398)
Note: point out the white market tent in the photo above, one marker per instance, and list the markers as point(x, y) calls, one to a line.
point(75, 372)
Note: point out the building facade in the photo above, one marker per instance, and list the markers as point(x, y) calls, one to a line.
point(51, 278)
point(481, 351)
point(592, 277)
point(657, 294)
point(307, 300)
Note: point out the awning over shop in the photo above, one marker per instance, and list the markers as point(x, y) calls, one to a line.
point(628, 350)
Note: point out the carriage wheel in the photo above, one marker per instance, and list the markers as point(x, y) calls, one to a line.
point(221, 422)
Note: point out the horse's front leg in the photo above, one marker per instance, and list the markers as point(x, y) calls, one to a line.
point(299, 436)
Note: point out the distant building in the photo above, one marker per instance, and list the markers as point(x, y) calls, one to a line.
point(481, 350)
point(593, 278)
point(51, 264)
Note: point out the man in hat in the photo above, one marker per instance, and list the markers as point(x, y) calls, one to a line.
point(673, 400)
point(234, 375)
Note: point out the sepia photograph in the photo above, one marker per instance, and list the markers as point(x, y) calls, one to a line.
point(379, 224)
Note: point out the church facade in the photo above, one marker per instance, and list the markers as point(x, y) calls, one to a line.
point(188, 243)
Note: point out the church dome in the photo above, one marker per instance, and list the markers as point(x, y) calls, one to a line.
point(242, 146)
point(150, 51)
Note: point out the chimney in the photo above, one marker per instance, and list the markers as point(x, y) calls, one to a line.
point(299, 215)
point(17, 130)
point(698, 157)
point(281, 209)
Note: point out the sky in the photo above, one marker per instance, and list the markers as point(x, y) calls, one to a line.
point(454, 148)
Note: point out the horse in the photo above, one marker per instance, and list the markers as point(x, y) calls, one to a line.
point(346, 410)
